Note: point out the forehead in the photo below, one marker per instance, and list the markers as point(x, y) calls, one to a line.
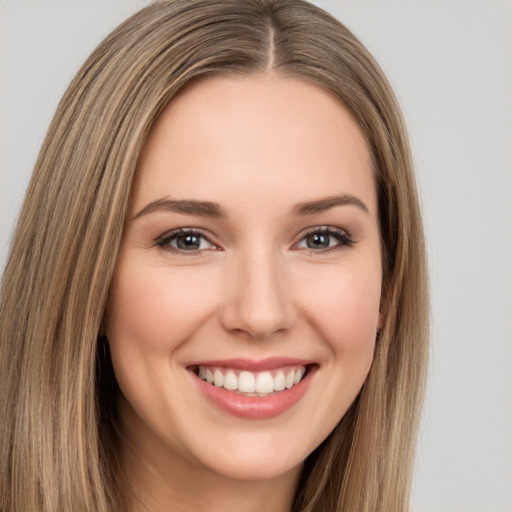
point(227, 137)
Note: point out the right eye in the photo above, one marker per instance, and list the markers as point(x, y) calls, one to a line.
point(185, 240)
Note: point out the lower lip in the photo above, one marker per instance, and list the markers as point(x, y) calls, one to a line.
point(255, 408)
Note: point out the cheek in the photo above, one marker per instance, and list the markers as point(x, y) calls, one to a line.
point(344, 307)
point(157, 308)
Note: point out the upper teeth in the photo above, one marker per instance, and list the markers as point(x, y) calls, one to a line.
point(250, 382)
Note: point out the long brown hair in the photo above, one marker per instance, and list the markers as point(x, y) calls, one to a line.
point(57, 406)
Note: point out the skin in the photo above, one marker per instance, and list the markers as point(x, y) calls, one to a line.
point(257, 146)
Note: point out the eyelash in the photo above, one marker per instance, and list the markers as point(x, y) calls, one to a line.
point(343, 238)
point(164, 242)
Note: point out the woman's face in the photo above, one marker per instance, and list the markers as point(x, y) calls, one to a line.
point(251, 256)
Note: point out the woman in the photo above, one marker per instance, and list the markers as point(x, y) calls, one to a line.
point(216, 295)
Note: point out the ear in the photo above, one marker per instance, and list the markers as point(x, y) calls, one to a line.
point(380, 323)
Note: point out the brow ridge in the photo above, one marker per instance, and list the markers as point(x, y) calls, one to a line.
point(214, 210)
point(326, 203)
point(184, 206)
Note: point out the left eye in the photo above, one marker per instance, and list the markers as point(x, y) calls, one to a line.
point(323, 239)
point(185, 241)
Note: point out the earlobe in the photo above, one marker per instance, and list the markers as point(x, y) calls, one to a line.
point(380, 323)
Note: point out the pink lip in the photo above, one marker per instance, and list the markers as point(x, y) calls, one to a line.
point(253, 366)
point(255, 407)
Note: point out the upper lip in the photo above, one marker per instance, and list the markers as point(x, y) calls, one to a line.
point(250, 365)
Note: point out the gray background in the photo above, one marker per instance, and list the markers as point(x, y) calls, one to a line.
point(451, 65)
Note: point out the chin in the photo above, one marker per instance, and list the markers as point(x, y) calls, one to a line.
point(268, 454)
point(263, 467)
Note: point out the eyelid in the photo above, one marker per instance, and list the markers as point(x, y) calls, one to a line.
point(344, 237)
point(163, 240)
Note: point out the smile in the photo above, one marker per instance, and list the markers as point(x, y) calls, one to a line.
point(253, 390)
point(248, 383)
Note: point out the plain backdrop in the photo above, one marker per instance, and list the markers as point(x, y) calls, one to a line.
point(450, 63)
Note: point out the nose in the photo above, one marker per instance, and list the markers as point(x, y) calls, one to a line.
point(259, 297)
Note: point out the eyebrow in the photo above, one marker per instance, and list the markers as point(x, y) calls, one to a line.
point(326, 203)
point(214, 210)
point(187, 207)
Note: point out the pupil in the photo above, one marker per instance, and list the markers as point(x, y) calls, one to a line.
point(189, 242)
point(318, 241)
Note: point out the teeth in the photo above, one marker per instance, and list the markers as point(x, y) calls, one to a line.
point(288, 382)
point(246, 382)
point(231, 380)
point(264, 383)
point(279, 381)
point(252, 384)
point(218, 378)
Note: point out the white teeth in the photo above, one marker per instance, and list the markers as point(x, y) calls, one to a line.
point(289, 379)
point(279, 381)
point(246, 382)
point(252, 384)
point(264, 383)
point(231, 381)
point(218, 378)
